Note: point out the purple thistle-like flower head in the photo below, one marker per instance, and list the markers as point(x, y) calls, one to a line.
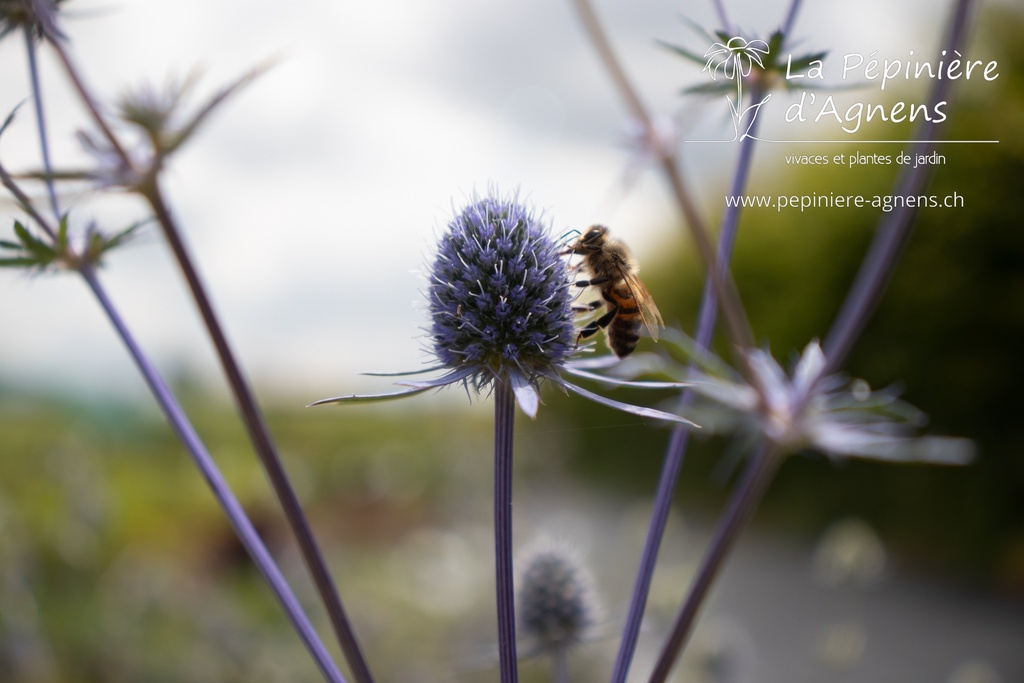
point(499, 295)
point(500, 299)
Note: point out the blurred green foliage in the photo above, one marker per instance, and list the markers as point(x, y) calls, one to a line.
point(117, 565)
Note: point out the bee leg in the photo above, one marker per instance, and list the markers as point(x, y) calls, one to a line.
point(599, 324)
point(587, 308)
point(594, 282)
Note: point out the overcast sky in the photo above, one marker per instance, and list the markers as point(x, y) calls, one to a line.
point(311, 199)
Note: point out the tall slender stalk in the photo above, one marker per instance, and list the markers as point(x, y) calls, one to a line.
point(251, 414)
point(864, 294)
point(660, 509)
point(787, 24)
point(504, 419)
point(259, 435)
point(742, 502)
point(716, 281)
point(220, 488)
point(676, 451)
point(172, 410)
point(894, 229)
point(560, 666)
point(41, 129)
point(707, 317)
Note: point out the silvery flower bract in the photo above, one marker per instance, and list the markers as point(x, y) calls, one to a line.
point(829, 413)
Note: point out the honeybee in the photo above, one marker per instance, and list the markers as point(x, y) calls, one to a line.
point(627, 302)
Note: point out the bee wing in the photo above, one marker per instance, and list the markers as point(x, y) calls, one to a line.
point(648, 310)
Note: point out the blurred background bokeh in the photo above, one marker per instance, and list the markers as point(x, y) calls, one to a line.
point(324, 183)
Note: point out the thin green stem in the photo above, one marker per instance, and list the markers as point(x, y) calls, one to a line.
point(504, 419)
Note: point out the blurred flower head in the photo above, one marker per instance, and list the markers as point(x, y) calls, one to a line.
point(831, 414)
point(849, 551)
point(37, 15)
point(156, 124)
point(115, 167)
point(555, 599)
point(159, 112)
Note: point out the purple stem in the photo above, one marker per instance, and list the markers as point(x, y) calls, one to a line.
point(894, 228)
point(221, 491)
point(504, 419)
point(787, 25)
point(723, 16)
point(877, 267)
point(259, 435)
point(676, 451)
point(252, 417)
point(37, 98)
point(742, 503)
point(670, 469)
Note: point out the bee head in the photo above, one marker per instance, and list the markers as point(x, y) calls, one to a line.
point(595, 235)
point(589, 241)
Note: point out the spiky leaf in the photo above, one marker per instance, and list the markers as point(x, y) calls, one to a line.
point(683, 52)
point(33, 244)
point(18, 262)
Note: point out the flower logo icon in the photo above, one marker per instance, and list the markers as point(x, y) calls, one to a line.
point(735, 59)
